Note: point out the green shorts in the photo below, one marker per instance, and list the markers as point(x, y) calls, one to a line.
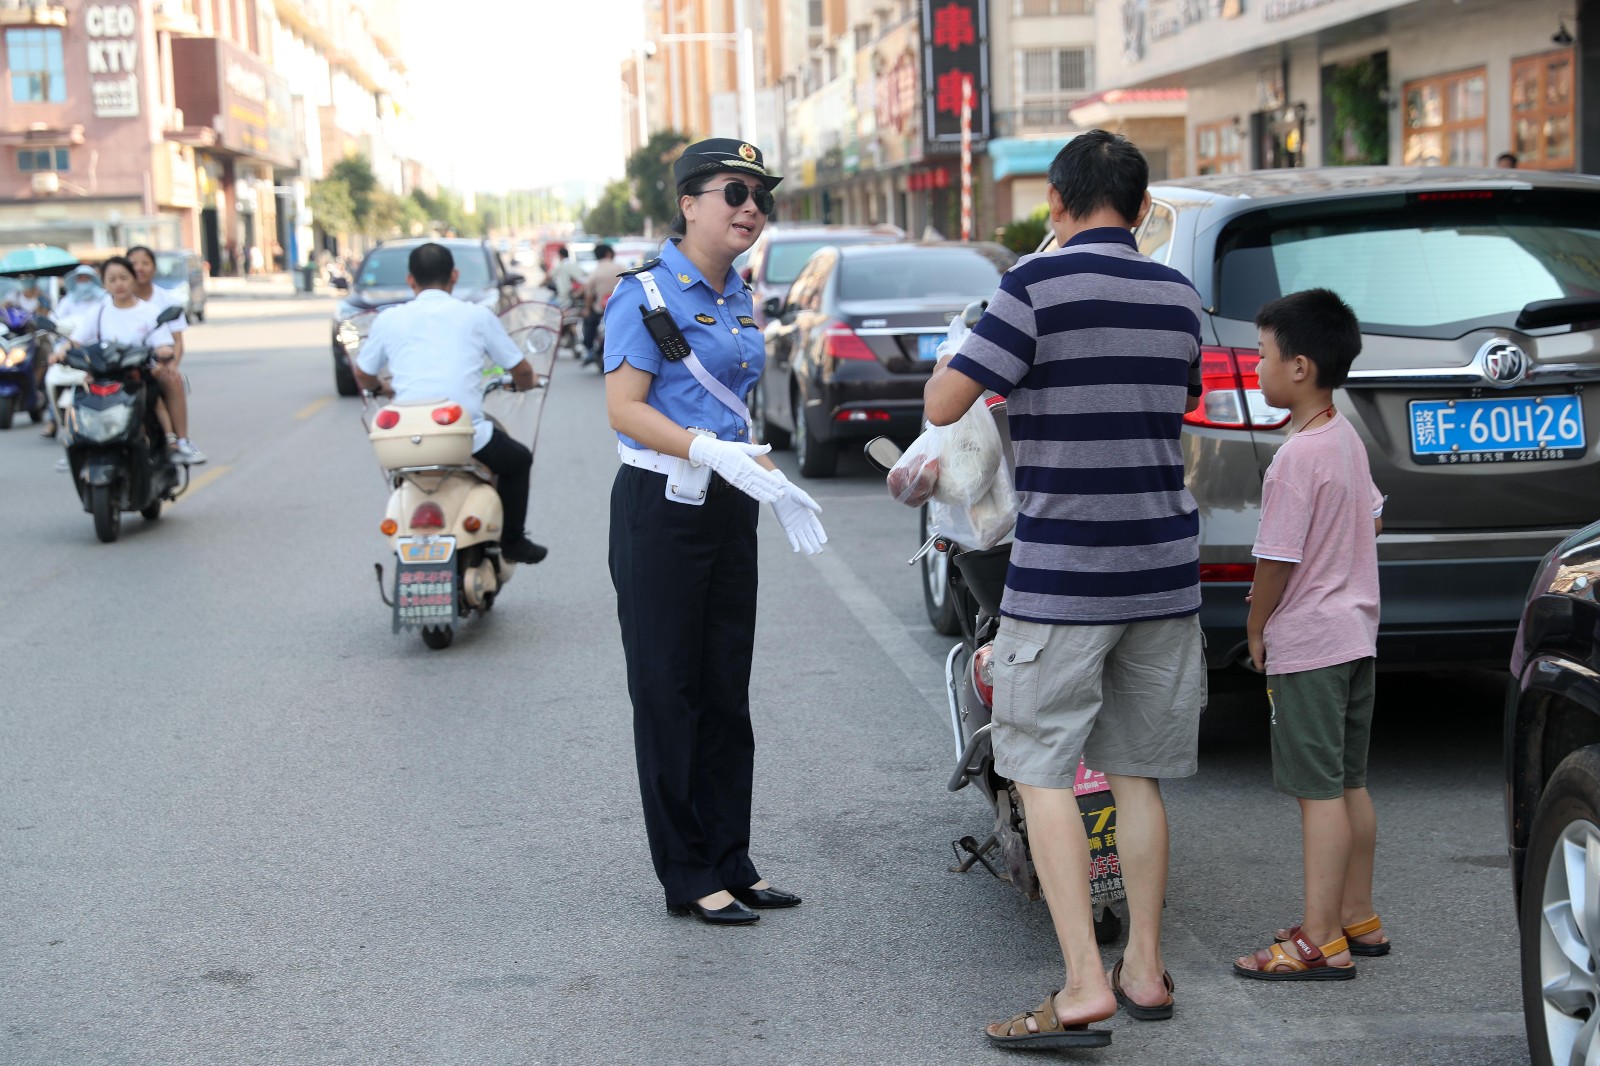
point(1321, 724)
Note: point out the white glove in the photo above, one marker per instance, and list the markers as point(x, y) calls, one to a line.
point(733, 461)
point(797, 512)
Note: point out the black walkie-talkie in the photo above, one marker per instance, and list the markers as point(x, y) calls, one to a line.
point(665, 332)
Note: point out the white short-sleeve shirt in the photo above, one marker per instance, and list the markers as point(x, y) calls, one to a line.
point(123, 325)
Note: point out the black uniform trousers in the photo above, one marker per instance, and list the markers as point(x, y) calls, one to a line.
point(686, 597)
point(512, 463)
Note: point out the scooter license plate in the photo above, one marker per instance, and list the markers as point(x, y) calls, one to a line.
point(425, 590)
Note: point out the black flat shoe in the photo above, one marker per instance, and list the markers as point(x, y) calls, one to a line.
point(765, 898)
point(733, 914)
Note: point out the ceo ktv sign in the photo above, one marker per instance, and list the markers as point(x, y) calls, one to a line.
point(113, 59)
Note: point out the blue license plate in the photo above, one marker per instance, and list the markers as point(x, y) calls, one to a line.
point(928, 346)
point(1497, 429)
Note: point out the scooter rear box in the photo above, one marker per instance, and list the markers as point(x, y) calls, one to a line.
point(418, 438)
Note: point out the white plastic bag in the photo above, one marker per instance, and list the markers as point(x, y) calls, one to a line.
point(983, 524)
point(954, 463)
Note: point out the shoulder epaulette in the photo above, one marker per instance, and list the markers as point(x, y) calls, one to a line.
point(651, 265)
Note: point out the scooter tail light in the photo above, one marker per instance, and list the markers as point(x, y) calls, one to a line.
point(983, 674)
point(472, 523)
point(389, 527)
point(428, 516)
point(105, 388)
point(448, 415)
point(387, 418)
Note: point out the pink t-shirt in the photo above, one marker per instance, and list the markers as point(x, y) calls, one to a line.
point(1317, 507)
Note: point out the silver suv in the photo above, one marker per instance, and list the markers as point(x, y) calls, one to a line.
point(1479, 298)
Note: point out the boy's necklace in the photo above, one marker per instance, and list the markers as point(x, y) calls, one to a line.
point(1325, 411)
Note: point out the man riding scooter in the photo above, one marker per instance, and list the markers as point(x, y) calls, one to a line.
point(434, 347)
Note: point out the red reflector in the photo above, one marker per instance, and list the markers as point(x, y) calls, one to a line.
point(839, 341)
point(447, 416)
point(429, 516)
point(387, 418)
point(861, 416)
point(983, 674)
point(1227, 571)
point(1462, 194)
point(108, 388)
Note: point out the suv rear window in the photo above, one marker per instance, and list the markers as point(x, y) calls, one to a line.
point(785, 258)
point(386, 268)
point(1416, 265)
point(919, 274)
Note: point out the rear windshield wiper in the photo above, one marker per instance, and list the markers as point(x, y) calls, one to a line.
point(1564, 312)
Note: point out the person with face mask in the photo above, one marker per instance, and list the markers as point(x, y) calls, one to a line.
point(83, 295)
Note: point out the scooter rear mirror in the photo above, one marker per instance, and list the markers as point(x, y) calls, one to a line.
point(973, 312)
point(169, 314)
point(41, 322)
point(882, 453)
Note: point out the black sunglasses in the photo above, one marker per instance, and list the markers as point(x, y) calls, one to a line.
point(735, 193)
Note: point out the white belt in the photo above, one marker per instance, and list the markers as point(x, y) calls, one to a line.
point(645, 458)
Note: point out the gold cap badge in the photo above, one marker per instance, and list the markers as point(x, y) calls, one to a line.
point(747, 153)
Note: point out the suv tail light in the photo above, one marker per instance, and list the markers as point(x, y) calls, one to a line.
point(1227, 572)
point(839, 341)
point(1230, 392)
point(428, 516)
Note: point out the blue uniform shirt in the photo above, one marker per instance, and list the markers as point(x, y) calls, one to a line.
point(720, 329)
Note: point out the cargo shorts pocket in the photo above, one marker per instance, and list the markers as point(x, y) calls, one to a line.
point(1016, 675)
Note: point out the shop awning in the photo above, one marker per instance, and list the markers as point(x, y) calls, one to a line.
point(1014, 156)
point(1113, 107)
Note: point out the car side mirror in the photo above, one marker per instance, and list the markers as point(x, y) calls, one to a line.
point(340, 283)
point(514, 280)
point(773, 308)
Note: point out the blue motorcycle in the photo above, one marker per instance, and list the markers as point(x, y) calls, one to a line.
point(20, 349)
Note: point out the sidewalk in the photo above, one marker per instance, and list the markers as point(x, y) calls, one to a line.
point(261, 287)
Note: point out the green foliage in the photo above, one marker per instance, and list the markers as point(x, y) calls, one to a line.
point(332, 206)
point(615, 213)
point(356, 173)
point(1356, 92)
point(1024, 235)
point(650, 170)
point(391, 215)
point(445, 215)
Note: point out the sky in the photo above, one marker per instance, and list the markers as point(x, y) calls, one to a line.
point(517, 94)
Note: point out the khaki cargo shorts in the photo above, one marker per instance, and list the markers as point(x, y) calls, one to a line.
point(1125, 698)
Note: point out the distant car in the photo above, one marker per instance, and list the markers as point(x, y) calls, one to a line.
point(774, 261)
point(852, 343)
point(635, 252)
point(582, 253)
point(381, 282)
point(1552, 763)
point(182, 273)
point(1475, 393)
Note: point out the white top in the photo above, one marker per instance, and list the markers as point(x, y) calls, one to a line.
point(72, 309)
point(30, 304)
point(435, 348)
point(163, 297)
point(123, 325)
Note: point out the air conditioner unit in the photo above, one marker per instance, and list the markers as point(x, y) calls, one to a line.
point(46, 183)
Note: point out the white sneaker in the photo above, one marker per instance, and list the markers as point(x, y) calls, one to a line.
point(186, 454)
point(62, 466)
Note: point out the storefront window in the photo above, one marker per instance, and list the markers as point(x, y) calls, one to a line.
point(38, 70)
point(1446, 121)
point(1218, 149)
point(1542, 110)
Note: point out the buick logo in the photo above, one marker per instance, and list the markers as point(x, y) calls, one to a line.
point(1503, 364)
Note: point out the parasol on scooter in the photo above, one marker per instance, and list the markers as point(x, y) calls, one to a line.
point(19, 389)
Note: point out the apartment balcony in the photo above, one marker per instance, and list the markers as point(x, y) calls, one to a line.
point(1035, 115)
point(175, 16)
point(33, 13)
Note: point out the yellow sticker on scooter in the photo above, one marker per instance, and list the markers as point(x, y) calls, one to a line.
point(426, 549)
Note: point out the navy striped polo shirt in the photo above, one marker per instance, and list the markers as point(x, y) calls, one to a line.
point(1096, 349)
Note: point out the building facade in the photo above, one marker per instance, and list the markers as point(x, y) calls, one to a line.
point(1286, 83)
point(188, 123)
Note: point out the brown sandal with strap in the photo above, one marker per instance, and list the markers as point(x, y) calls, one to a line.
point(1361, 928)
point(1049, 1032)
point(1275, 964)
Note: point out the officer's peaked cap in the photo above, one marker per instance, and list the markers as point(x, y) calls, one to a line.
point(719, 154)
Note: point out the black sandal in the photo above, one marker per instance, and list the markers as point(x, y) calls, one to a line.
point(1158, 1013)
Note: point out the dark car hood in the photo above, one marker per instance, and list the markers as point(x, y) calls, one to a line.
point(369, 299)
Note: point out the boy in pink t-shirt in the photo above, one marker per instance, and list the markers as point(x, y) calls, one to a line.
point(1313, 630)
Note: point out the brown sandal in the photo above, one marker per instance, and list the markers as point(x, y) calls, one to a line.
point(1362, 928)
point(1051, 1033)
point(1275, 964)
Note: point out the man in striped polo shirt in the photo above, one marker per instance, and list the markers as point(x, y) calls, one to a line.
point(1096, 349)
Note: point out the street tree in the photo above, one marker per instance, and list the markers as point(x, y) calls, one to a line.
point(616, 213)
point(356, 173)
point(332, 207)
point(650, 170)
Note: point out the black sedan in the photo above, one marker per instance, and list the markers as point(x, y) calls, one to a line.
point(854, 340)
point(1553, 800)
point(381, 282)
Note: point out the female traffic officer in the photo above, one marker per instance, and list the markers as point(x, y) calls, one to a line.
point(683, 530)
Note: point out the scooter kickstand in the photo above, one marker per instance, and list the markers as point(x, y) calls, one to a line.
point(382, 588)
point(975, 853)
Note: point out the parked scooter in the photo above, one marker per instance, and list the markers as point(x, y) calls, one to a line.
point(21, 351)
point(116, 450)
point(974, 585)
point(444, 518)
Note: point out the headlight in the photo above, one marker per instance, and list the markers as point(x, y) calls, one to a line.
point(100, 426)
